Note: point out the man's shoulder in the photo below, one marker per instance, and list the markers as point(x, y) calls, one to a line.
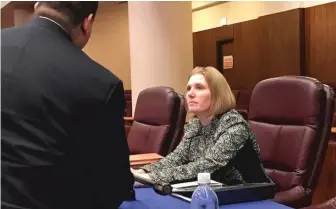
point(14, 35)
point(92, 67)
point(9, 31)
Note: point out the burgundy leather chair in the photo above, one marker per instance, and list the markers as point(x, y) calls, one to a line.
point(128, 95)
point(289, 116)
point(128, 109)
point(179, 131)
point(333, 85)
point(334, 118)
point(154, 121)
point(243, 113)
point(326, 134)
point(127, 129)
point(243, 100)
point(330, 204)
point(128, 105)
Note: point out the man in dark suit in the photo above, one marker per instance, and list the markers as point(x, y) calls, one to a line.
point(63, 143)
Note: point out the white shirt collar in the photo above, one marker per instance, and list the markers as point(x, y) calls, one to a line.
point(54, 22)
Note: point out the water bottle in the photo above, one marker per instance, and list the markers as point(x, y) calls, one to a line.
point(204, 197)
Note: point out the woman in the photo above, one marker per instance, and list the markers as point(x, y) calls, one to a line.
point(217, 140)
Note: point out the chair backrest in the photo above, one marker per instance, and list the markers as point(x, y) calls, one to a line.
point(334, 118)
point(154, 121)
point(287, 115)
point(333, 86)
point(179, 131)
point(128, 95)
point(127, 129)
point(128, 109)
point(243, 99)
point(326, 133)
point(243, 113)
point(128, 105)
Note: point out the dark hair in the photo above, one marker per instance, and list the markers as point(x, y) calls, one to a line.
point(76, 11)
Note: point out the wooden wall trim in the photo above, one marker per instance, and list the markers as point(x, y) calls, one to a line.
point(320, 42)
point(303, 69)
point(7, 15)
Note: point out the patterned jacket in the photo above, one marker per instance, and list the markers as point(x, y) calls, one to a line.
point(226, 148)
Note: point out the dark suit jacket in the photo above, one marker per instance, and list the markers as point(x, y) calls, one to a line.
point(63, 142)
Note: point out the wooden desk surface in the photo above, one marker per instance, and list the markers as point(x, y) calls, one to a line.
point(128, 118)
point(143, 159)
point(333, 130)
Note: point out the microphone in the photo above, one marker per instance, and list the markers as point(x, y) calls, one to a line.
point(160, 188)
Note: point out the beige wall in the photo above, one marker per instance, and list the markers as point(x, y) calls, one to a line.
point(198, 4)
point(22, 16)
point(3, 3)
point(161, 45)
point(109, 43)
point(110, 47)
point(240, 11)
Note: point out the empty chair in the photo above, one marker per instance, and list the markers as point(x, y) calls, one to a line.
point(334, 118)
point(128, 105)
point(154, 121)
point(333, 86)
point(243, 113)
point(243, 100)
point(127, 129)
point(326, 135)
point(242, 109)
point(291, 117)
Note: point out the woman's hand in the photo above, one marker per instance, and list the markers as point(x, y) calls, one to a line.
point(138, 171)
point(144, 175)
point(141, 173)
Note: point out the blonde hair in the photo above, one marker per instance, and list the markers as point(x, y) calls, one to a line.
point(222, 98)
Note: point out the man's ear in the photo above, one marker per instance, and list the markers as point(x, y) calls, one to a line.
point(36, 5)
point(87, 24)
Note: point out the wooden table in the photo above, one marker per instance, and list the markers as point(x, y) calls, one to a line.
point(128, 122)
point(143, 159)
point(128, 118)
point(333, 130)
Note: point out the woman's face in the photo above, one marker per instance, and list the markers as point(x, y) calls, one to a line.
point(198, 95)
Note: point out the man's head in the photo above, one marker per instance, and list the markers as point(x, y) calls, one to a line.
point(75, 16)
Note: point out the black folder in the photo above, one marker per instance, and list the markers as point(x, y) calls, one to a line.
point(226, 194)
point(233, 194)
